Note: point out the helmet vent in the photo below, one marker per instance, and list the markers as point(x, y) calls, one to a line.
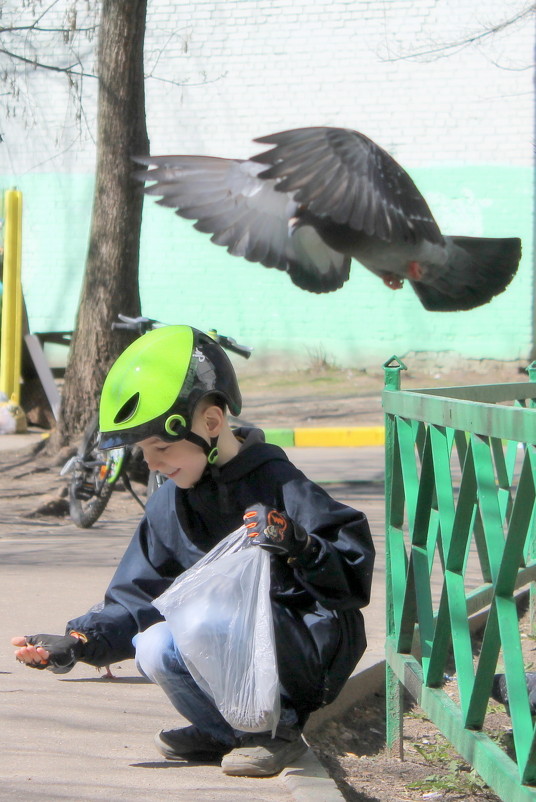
point(128, 409)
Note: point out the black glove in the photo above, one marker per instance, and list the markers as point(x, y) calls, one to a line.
point(64, 651)
point(274, 531)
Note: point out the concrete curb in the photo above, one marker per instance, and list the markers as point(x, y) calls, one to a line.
point(308, 781)
point(301, 437)
point(327, 436)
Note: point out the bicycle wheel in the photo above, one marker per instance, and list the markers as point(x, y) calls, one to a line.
point(93, 478)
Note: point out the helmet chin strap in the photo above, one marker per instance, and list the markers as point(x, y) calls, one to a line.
point(211, 453)
point(210, 449)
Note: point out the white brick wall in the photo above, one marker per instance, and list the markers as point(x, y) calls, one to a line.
point(221, 72)
point(271, 65)
point(389, 68)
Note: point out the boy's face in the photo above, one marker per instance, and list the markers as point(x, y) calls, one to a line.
point(183, 462)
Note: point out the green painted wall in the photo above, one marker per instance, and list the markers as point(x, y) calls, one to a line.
point(185, 278)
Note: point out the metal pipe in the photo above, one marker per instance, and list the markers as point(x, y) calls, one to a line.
point(11, 333)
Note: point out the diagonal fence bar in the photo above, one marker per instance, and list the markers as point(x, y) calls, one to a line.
point(460, 499)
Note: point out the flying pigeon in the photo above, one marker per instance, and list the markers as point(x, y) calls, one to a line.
point(320, 197)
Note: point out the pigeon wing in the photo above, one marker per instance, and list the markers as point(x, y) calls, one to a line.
point(342, 175)
point(245, 214)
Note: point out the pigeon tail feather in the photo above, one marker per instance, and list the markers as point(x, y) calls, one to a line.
point(477, 269)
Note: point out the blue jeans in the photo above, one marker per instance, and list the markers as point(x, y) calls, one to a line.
point(159, 660)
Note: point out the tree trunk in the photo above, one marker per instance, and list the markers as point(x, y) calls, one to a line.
point(111, 276)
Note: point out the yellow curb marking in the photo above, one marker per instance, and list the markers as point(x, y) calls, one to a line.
point(340, 436)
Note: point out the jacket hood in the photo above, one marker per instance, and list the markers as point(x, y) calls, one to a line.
point(254, 451)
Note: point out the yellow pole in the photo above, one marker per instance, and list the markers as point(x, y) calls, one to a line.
point(11, 334)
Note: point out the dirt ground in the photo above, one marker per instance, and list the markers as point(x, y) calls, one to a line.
point(354, 752)
point(352, 747)
point(326, 396)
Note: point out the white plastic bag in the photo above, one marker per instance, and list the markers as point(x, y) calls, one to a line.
point(220, 615)
point(12, 417)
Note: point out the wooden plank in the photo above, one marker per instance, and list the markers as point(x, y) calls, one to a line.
point(45, 374)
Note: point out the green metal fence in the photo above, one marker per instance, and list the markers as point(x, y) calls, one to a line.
point(460, 503)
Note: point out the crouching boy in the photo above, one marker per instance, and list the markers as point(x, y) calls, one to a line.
point(169, 392)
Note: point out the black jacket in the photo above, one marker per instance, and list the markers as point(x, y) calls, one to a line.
point(316, 602)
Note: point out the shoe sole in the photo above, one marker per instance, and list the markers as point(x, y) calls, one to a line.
point(246, 765)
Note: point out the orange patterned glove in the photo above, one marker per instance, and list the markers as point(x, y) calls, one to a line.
point(274, 531)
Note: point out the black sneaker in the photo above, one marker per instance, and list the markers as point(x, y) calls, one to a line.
point(189, 743)
point(262, 756)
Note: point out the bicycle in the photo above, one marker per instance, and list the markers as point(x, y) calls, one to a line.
point(96, 473)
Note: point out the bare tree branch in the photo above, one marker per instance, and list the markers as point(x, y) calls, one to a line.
point(33, 27)
point(186, 83)
point(449, 46)
point(39, 64)
point(47, 9)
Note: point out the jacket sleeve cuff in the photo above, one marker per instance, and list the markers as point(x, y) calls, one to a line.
point(309, 556)
point(94, 649)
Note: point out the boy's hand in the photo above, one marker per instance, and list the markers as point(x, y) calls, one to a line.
point(274, 531)
point(57, 652)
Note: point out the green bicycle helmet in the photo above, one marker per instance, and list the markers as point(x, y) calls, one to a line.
point(154, 386)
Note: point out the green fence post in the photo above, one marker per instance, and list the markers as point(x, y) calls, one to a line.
point(394, 695)
point(531, 370)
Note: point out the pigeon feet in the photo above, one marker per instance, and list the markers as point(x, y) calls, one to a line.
point(393, 281)
point(415, 271)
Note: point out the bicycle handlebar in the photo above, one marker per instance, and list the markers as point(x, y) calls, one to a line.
point(141, 325)
point(230, 344)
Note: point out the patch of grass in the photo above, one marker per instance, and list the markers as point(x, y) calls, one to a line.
point(504, 738)
point(456, 775)
point(459, 779)
point(495, 707)
point(417, 714)
point(437, 751)
point(319, 360)
point(310, 382)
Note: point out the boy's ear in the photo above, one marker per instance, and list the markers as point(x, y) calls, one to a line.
point(214, 418)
